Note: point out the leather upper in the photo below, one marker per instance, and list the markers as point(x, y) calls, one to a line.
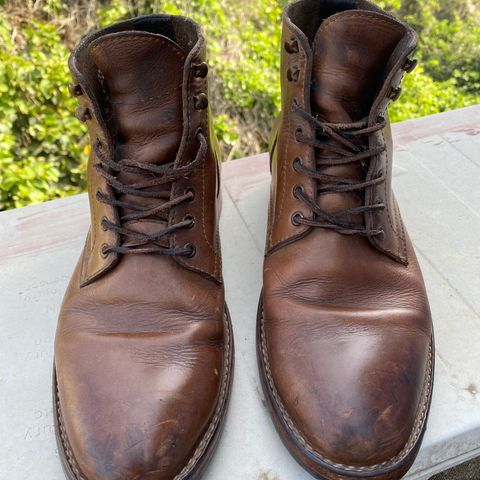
point(139, 358)
point(346, 331)
point(142, 344)
point(311, 85)
point(348, 335)
point(204, 181)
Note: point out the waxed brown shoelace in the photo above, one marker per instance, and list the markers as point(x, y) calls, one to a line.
point(339, 152)
point(156, 175)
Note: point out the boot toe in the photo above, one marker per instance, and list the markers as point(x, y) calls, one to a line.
point(141, 409)
point(353, 399)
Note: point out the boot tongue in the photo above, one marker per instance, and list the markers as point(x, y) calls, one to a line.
point(143, 73)
point(350, 53)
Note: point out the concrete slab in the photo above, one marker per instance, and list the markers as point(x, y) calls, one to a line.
point(436, 179)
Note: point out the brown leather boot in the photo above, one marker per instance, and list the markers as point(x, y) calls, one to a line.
point(345, 338)
point(144, 347)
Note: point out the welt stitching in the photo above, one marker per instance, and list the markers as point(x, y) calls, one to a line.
point(400, 222)
point(187, 127)
point(284, 172)
point(388, 204)
point(284, 177)
point(420, 419)
point(204, 228)
point(94, 240)
point(84, 260)
point(218, 255)
point(387, 201)
point(285, 163)
point(94, 219)
point(206, 438)
point(64, 439)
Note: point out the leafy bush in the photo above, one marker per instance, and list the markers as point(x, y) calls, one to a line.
point(41, 143)
point(43, 147)
point(449, 54)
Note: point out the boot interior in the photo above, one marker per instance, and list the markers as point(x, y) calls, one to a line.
point(179, 29)
point(308, 15)
point(183, 31)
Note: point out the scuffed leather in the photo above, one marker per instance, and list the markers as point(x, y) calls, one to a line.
point(139, 362)
point(348, 333)
point(142, 340)
point(345, 330)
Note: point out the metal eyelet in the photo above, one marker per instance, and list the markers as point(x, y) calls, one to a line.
point(200, 101)
point(83, 114)
point(380, 173)
point(198, 132)
point(296, 217)
point(103, 251)
point(75, 89)
point(298, 133)
point(291, 46)
point(395, 94)
point(293, 73)
point(297, 162)
point(381, 234)
point(103, 223)
point(410, 65)
point(200, 70)
point(298, 190)
point(191, 219)
point(192, 250)
point(192, 191)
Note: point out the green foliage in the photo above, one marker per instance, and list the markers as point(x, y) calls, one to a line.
point(449, 55)
point(41, 143)
point(43, 148)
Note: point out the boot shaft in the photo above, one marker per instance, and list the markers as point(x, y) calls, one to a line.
point(153, 171)
point(342, 63)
